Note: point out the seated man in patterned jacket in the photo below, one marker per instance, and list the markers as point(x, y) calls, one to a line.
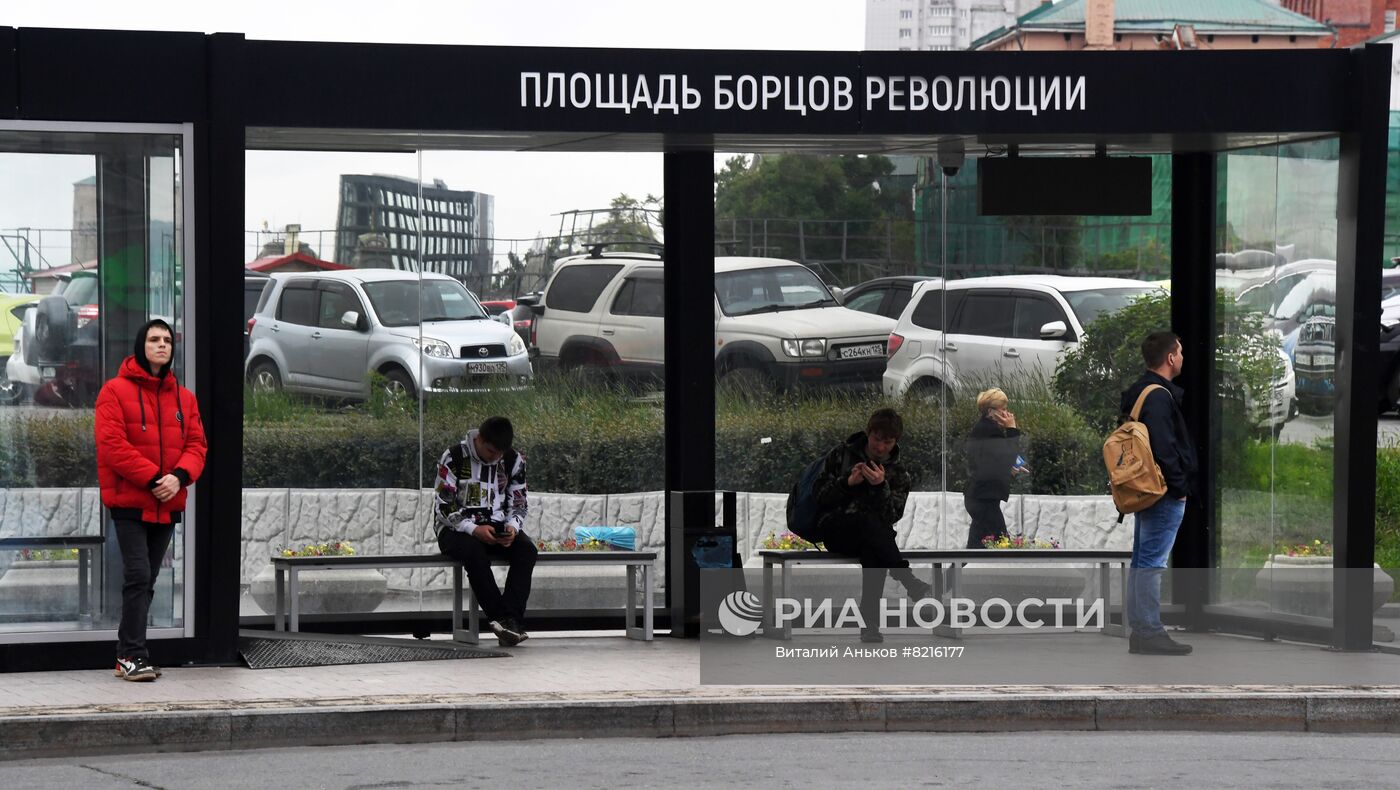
point(479, 515)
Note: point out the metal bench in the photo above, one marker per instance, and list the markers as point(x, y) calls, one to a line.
point(784, 560)
point(287, 570)
point(85, 544)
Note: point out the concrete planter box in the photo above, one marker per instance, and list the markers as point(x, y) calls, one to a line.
point(325, 591)
point(40, 587)
point(1303, 585)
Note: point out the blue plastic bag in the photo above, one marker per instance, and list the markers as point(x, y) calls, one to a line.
point(623, 538)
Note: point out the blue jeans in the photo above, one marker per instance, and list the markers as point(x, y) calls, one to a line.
point(1154, 533)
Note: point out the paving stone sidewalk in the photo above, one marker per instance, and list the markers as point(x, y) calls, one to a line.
point(588, 686)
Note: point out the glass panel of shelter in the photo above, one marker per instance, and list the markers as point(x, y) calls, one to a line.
point(112, 258)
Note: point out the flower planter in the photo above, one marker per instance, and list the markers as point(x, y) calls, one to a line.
point(1303, 585)
point(1015, 582)
point(324, 591)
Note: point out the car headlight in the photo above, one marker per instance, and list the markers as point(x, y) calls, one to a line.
point(432, 347)
point(517, 346)
point(809, 347)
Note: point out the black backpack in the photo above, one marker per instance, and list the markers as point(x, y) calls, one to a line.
point(802, 510)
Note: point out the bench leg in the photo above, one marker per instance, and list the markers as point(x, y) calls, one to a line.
point(472, 634)
point(279, 617)
point(786, 631)
point(647, 602)
point(948, 630)
point(1106, 590)
point(770, 604)
point(84, 597)
point(293, 592)
point(630, 627)
point(1125, 566)
point(456, 600)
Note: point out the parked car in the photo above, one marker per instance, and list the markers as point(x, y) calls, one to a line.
point(1315, 360)
point(522, 316)
point(601, 311)
point(12, 309)
point(254, 284)
point(1003, 327)
point(326, 333)
point(777, 326)
point(60, 338)
point(884, 296)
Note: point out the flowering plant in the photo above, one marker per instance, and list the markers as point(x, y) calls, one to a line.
point(1318, 548)
point(570, 544)
point(787, 541)
point(340, 548)
point(1018, 541)
point(48, 554)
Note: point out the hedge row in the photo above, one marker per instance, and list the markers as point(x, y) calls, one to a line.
point(760, 447)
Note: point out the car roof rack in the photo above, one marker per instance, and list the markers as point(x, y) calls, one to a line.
point(596, 249)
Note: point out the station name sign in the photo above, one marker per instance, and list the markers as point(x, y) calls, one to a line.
point(800, 95)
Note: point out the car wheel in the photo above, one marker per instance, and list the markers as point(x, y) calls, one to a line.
point(398, 385)
point(11, 392)
point(265, 378)
point(928, 390)
point(746, 382)
point(1390, 399)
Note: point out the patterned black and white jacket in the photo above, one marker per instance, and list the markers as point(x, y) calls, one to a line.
point(470, 492)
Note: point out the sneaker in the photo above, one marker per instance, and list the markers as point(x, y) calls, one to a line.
point(1158, 645)
point(516, 627)
point(135, 669)
point(871, 635)
point(505, 636)
point(919, 590)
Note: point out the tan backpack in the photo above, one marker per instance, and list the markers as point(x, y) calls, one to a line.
point(1133, 475)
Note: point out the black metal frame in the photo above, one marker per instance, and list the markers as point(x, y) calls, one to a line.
point(1191, 104)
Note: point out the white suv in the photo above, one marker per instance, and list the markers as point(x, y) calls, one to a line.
point(602, 310)
point(1008, 327)
point(777, 326)
point(325, 333)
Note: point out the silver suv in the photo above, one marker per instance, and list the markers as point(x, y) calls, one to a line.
point(325, 333)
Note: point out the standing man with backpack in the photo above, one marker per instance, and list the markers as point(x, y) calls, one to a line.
point(1157, 402)
point(852, 504)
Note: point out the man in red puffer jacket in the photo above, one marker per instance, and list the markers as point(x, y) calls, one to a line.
point(150, 448)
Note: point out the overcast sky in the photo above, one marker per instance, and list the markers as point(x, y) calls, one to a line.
point(529, 188)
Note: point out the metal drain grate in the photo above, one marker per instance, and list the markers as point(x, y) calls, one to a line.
point(277, 653)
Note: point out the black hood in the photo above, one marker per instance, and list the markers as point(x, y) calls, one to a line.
point(140, 351)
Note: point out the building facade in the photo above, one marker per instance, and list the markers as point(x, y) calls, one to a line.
point(936, 25)
point(377, 226)
point(1139, 25)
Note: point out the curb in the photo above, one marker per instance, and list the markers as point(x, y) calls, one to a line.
point(416, 721)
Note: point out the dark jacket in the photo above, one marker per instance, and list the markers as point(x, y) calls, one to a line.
point(1166, 427)
point(885, 501)
point(991, 453)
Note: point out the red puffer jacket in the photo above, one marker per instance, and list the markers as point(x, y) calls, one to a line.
point(147, 427)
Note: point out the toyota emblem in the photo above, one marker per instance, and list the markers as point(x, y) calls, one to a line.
point(483, 351)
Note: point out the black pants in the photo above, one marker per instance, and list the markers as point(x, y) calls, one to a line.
point(987, 520)
point(476, 557)
point(865, 537)
point(143, 546)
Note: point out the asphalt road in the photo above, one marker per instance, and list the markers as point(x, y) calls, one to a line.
point(1305, 429)
point(1050, 760)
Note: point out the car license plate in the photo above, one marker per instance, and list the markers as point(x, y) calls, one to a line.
point(486, 367)
point(860, 352)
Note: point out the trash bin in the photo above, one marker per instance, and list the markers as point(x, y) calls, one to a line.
point(694, 543)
